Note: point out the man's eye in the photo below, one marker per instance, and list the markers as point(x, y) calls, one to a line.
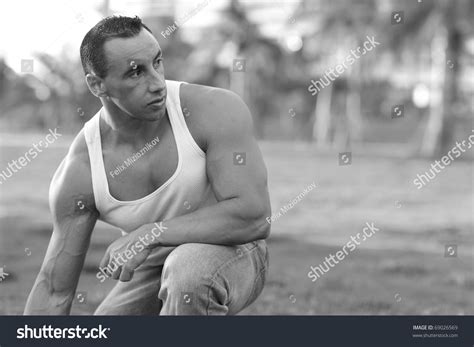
point(136, 73)
point(157, 63)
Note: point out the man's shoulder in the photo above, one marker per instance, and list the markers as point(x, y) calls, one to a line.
point(209, 97)
point(77, 159)
point(216, 110)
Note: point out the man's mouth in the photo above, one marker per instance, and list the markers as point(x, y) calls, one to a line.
point(157, 101)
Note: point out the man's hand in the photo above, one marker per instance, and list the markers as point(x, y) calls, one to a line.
point(125, 254)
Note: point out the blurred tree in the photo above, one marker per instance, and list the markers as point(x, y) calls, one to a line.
point(440, 27)
point(330, 31)
point(18, 98)
point(72, 100)
point(450, 27)
point(235, 37)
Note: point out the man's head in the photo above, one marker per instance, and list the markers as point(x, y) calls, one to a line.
point(123, 65)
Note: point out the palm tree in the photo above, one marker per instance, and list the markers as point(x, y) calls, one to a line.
point(439, 27)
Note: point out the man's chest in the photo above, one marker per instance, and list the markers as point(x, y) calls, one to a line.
point(135, 172)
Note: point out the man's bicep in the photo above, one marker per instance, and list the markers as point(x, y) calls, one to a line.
point(235, 165)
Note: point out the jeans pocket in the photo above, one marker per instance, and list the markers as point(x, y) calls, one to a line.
point(258, 286)
point(259, 247)
point(260, 252)
point(250, 245)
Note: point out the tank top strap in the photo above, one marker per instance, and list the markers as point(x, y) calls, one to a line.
point(178, 115)
point(94, 147)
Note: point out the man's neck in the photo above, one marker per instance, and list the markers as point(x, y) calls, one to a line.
point(124, 128)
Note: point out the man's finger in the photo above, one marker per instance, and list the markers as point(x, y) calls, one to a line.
point(127, 274)
point(105, 260)
point(117, 272)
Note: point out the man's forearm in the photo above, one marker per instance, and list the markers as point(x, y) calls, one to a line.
point(224, 223)
point(42, 301)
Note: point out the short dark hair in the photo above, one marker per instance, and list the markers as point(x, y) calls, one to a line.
point(92, 47)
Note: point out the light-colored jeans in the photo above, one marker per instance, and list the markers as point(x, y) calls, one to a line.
point(196, 279)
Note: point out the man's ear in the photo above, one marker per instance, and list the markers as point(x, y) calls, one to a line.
point(96, 85)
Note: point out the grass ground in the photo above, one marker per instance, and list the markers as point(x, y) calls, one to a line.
point(400, 270)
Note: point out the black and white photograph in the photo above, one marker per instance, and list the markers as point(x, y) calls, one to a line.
point(237, 158)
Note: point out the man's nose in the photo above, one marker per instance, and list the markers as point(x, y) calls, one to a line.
point(157, 82)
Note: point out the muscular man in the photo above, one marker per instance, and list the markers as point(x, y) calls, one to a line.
point(176, 167)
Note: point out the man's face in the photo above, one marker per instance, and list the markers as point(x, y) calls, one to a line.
point(135, 79)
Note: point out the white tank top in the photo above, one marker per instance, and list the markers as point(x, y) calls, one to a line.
point(185, 191)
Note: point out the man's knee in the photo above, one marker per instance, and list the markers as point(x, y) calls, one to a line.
point(187, 286)
point(183, 268)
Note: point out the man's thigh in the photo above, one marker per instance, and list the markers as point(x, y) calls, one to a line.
point(139, 296)
point(213, 279)
point(240, 272)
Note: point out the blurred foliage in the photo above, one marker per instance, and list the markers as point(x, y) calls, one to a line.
point(276, 80)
